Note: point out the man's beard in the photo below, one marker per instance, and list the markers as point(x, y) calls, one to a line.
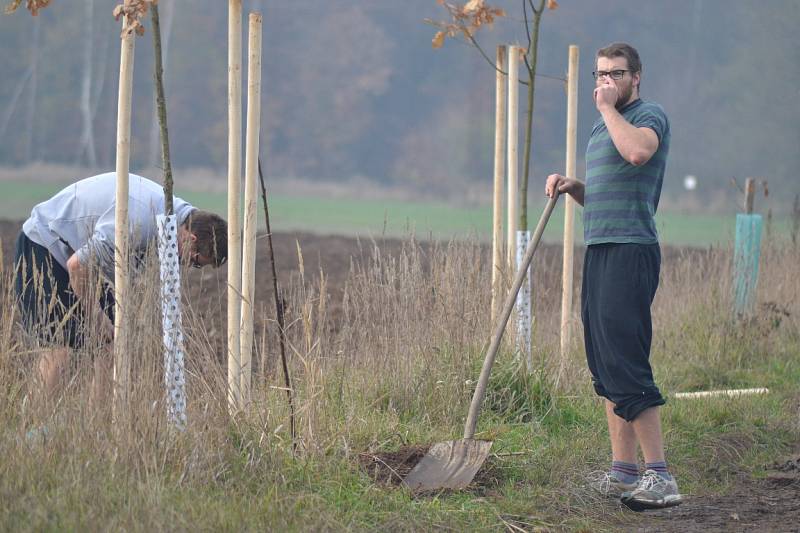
point(624, 96)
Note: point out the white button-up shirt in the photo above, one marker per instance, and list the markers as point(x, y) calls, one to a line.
point(81, 218)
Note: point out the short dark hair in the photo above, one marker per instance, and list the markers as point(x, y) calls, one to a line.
point(622, 50)
point(211, 231)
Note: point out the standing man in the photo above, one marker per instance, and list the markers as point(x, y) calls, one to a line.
point(69, 237)
point(625, 162)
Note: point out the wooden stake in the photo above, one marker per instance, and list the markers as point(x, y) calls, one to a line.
point(512, 154)
point(234, 178)
point(569, 204)
point(250, 197)
point(499, 170)
point(121, 281)
point(749, 195)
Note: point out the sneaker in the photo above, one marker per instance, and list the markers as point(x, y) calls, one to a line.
point(653, 492)
point(608, 484)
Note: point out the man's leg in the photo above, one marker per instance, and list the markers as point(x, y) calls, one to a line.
point(52, 368)
point(647, 427)
point(623, 436)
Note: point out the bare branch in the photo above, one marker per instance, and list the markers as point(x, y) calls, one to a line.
point(527, 31)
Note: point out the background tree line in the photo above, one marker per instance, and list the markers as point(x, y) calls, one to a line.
point(353, 89)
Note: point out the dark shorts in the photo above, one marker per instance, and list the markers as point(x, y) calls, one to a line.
point(619, 284)
point(50, 311)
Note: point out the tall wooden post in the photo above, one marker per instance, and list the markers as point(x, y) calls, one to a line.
point(234, 179)
point(121, 280)
point(499, 181)
point(749, 195)
point(512, 154)
point(569, 203)
point(250, 197)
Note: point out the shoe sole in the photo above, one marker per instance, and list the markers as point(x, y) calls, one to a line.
point(639, 505)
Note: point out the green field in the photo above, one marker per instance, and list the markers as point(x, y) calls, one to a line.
point(399, 218)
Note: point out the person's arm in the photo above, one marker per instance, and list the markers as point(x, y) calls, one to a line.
point(79, 282)
point(562, 184)
point(636, 145)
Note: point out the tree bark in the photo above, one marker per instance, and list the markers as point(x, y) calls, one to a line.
point(86, 146)
point(161, 109)
point(533, 50)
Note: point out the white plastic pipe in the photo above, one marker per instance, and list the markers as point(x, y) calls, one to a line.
point(731, 393)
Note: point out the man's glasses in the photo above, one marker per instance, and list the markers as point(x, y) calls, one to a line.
point(613, 74)
point(193, 260)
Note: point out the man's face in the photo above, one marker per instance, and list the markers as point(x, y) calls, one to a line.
point(627, 86)
point(187, 249)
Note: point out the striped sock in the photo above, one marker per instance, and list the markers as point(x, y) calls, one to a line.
point(660, 468)
point(625, 472)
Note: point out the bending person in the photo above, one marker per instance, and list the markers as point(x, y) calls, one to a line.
point(71, 236)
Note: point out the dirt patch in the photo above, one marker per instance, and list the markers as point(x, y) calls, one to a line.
point(768, 504)
point(390, 468)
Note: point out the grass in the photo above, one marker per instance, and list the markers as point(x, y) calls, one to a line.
point(399, 218)
point(393, 366)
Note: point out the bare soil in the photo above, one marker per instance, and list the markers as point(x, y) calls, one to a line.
point(765, 504)
point(771, 503)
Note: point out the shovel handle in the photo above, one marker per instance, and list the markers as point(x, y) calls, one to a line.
point(508, 306)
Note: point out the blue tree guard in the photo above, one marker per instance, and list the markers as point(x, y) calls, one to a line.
point(745, 262)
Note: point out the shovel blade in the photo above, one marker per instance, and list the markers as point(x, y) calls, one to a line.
point(449, 465)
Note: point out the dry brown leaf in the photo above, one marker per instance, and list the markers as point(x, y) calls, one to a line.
point(438, 39)
point(33, 6)
point(10, 8)
point(552, 4)
point(465, 19)
point(473, 5)
point(133, 11)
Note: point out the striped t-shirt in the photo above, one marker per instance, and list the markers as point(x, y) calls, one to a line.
point(621, 199)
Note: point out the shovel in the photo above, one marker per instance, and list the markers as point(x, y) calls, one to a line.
point(453, 464)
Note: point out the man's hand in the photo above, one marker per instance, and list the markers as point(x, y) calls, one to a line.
point(606, 95)
point(78, 274)
point(562, 184)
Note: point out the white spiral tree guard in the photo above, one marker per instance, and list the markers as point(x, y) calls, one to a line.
point(174, 377)
point(524, 314)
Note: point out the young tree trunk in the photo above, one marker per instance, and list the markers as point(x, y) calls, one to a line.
point(29, 148)
point(161, 110)
point(86, 146)
point(533, 50)
point(12, 104)
point(166, 32)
